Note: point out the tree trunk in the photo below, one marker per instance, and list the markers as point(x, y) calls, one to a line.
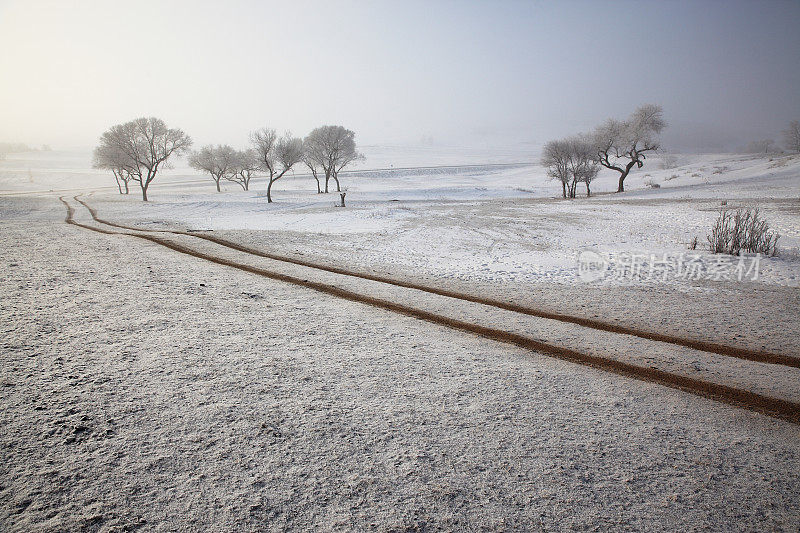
point(588, 192)
point(126, 188)
point(338, 188)
point(624, 174)
point(217, 182)
point(117, 178)
point(269, 191)
point(144, 193)
point(327, 177)
point(563, 189)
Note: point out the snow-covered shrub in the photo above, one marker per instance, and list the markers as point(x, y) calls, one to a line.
point(742, 231)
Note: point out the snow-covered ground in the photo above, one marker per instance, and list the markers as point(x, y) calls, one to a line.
point(144, 388)
point(503, 222)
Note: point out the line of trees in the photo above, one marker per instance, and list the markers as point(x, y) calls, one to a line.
point(618, 145)
point(791, 142)
point(224, 162)
point(137, 150)
point(325, 152)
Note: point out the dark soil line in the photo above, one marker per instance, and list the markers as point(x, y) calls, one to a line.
point(704, 346)
point(774, 407)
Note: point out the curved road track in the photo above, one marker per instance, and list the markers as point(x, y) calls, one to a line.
point(593, 345)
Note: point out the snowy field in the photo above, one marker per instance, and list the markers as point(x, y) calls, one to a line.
point(498, 222)
point(146, 389)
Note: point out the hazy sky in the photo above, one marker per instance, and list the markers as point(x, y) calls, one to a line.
point(461, 72)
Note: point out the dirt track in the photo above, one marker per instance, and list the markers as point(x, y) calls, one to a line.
point(705, 346)
point(776, 407)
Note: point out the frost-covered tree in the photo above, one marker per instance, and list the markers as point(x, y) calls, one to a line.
point(332, 148)
point(622, 144)
point(276, 156)
point(571, 161)
point(582, 163)
point(313, 166)
point(216, 160)
point(111, 157)
point(263, 142)
point(147, 144)
point(245, 165)
point(791, 136)
point(555, 160)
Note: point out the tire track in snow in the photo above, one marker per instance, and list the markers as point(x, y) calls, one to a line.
point(695, 344)
point(778, 408)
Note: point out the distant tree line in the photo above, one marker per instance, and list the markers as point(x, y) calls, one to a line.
point(791, 142)
point(618, 145)
point(137, 150)
point(13, 148)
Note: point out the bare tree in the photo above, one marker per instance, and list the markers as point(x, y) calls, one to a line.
point(276, 156)
point(582, 163)
point(555, 159)
point(332, 148)
point(263, 141)
point(216, 160)
point(347, 155)
point(621, 145)
point(311, 162)
point(147, 144)
point(110, 157)
point(245, 165)
point(791, 136)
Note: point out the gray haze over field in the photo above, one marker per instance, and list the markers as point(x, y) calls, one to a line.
point(456, 73)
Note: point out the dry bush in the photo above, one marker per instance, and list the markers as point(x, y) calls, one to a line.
point(742, 231)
